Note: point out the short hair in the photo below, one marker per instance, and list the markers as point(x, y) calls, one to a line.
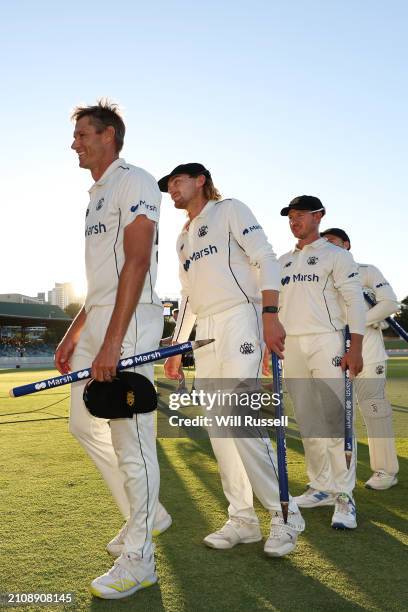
point(102, 115)
point(175, 310)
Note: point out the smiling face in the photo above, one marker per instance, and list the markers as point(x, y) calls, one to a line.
point(183, 189)
point(92, 146)
point(304, 223)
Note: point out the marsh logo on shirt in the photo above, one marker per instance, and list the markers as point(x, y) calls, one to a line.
point(100, 204)
point(93, 230)
point(285, 280)
point(252, 228)
point(202, 231)
point(210, 250)
point(312, 261)
point(247, 348)
point(305, 278)
point(336, 361)
point(379, 369)
point(134, 208)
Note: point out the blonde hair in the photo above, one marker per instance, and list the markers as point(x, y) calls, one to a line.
point(210, 191)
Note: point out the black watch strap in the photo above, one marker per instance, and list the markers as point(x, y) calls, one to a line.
point(272, 309)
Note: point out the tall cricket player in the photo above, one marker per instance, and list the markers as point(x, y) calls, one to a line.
point(316, 279)
point(122, 316)
point(370, 383)
point(229, 274)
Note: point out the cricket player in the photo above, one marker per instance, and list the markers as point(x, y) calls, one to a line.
point(230, 284)
point(318, 278)
point(370, 383)
point(122, 316)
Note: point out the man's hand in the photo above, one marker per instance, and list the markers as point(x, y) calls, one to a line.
point(266, 363)
point(172, 367)
point(63, 354)
point(104, 365)
point(274, 334)
point(353, 361)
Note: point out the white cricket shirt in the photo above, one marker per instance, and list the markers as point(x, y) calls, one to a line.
point(225, 260)
point(379, 289)
point(314, 282)
point(121, 194)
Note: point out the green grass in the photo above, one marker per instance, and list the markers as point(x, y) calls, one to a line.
point(395, 343)
point(57, 516)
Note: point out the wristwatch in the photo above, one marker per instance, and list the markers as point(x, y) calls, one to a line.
point(272, 309)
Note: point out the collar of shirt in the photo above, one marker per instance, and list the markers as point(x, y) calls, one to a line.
point(204, 211)
point(313, 245)
point(109, 170)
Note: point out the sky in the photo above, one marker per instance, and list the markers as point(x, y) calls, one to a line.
point(276, 98)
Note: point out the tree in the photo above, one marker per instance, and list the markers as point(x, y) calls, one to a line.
point(73, 309)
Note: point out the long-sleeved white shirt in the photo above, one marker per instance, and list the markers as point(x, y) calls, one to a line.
point(316, 282)
point(225, 260)
point(379, 289)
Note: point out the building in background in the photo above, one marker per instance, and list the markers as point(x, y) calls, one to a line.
point(62, 295)
point(19, 298)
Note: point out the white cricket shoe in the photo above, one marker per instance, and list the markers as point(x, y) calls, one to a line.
point(380, 481)
point(235, 531)
point(129, 574)
point(161, 524)
point(282, 538)
point(344, 515)
point(312, 498)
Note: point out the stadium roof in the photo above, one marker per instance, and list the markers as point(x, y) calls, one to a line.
point(23, 314)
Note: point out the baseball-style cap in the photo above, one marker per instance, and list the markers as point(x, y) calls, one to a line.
point(336, 231)
point(304, 202)
point(192, 169)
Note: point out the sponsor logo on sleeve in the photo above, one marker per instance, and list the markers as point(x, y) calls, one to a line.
point(252, 228)
point(143, 204)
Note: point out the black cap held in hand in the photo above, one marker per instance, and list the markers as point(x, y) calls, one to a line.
point(192, 169)
point(128, 394)
point(304, 202)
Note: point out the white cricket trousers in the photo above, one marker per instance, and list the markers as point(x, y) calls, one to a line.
point(245, 464)
point(124, 450)
point(377, 414)
point(315, 382)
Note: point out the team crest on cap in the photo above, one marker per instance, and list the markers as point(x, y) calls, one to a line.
point(202, 231)
point(130, 399)
point(247, 348)
point(100, 204)
point(312, 261)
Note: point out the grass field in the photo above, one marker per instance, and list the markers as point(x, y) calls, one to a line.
point(57, 516)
